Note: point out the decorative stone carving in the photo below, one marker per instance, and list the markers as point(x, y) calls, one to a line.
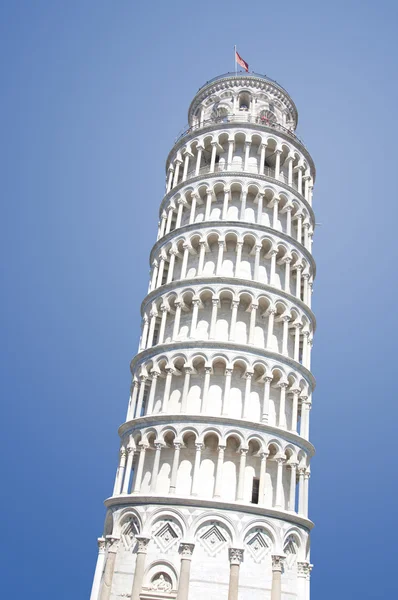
point(167, 535)
point(186, 550)
point(258, 544)
point(235, 556)
point(129, 532)
point(213, 539)
point(162, 583)
point(277, 563)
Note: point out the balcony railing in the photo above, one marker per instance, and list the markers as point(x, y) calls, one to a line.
point(240, 118)
point(251, 169)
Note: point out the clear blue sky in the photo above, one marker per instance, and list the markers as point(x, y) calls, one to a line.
point(93, 95)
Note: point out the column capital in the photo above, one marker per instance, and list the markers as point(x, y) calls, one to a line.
point(199, 446)
point(186, 549)
point(235, 555)
point(243, 451)
point(101, 545)
point(177, 445)
point(277, 562)
point(143, 541)
point(122, 452)
point(130, 449)
point(215, 301)
point(112, 543)
point(158, 445)
point(268, 378)
point(228, 371)
point(303, 568)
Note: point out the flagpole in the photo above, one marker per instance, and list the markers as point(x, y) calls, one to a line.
point(235, 67)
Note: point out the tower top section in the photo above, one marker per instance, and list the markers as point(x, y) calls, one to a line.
point(243, 97)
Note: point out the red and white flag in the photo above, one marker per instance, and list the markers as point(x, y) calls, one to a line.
point(241, 62)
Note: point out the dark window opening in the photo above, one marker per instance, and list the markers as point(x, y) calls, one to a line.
point(255, 490)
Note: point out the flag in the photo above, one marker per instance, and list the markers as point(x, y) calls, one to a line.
point(241, 62)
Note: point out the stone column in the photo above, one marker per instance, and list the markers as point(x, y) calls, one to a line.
point(139, 571)
point(279, 489)
point(225, 204)
point(285, 335)
point(194, 320)
point(155, 468)
point(239, 246)
point(132, 401)
point(209, 198)
point(220, 463)
point(260, 200)
point(170, 272)
point(201, 257)
point(106, 587)
point(277, 567)
point(180, 203)
point(198, 160)
point(289, 220)
point(272, 254)
point(186, 551)
point(230, 154)
point(265, 409)
point(220, 257)
point(186, 166)
point(275, 213)
point(184, 261)
point(270, 330)
point(253, 314)
point(153, 314)
point(126, 483)
point(164, 311)
point(301, 491)
point(303, 569)
point(235, 558)
point(213, 320)
point(263, 471)
point(140, 397)
point(246, 399)
point(152, 392)
point(287, 261)
point(120, 472)
point(206, 385)
point(99, 567)
point(174, 469)
point(296, 355)
point(278, 164)
point(247, 154)
point(155, 268)
point(213, 156)
point(296, 393)
point(262, 159)
point(227, 388)
point(169, 218)
point(290, 170)
point(167, 388)
point(282, 405)
point(257, 251)
point(177, 317)
point(243, 205)
point(196, 467)
point(185, 389)
point(235, 304)
point(192, 214)
point(176, 172)
point(306, 486)
point(140, 468)
point(144, 334)
point(241, 478)
point(292, 490)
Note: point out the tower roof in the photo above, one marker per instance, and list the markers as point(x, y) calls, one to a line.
point(255, 78)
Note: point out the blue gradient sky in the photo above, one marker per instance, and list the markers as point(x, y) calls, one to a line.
point(93, 95)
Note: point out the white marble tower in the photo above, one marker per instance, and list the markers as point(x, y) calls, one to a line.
point(211, 492)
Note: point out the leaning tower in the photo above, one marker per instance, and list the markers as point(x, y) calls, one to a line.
point(211, 491)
